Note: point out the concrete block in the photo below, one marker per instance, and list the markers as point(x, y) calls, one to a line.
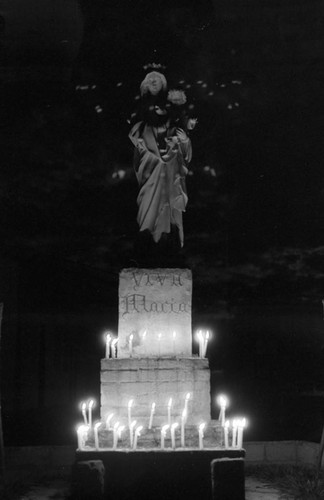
point(228, 481)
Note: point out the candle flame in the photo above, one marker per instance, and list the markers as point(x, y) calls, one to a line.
point(132, 425)
point(153, 406)
point(131, 337)
point(227, 424)
point(187, 396)
point(170, 403)
point(199, 335)
point(138, 430)
point(174, 334)
point(91, 403)
point(97, 425)
point(174, 426)
point(207, 335)
point(108, 336)
point(83, 406)
point(82, 428)
point(222, 400)
point(114, 342)
point(130, 403)
point(164, 429)
point(202, 426)
point(120, 430)
point(144, 334)
point(159, 336)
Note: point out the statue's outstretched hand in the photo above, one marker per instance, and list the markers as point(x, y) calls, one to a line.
point(181, 134)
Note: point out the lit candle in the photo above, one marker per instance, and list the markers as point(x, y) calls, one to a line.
point(222, 401)
point(173, 341)
point(121, 428)
point(169, 411)
point(114, 348)
point(163, 434)
point(173, 428)
point(187, 401)
point(201, 435)
point(200, 340)
point(130, 345)
point(108, 340)
point(108, 426)
point(151, 415)
point(115, 438)
point(131, 432)
point(90, 406)
point(183, 423)
point(96, 434)
point(205, 344)
point(240, 427)
point(234, 433)
point(226, 427)
point(84, 412)
point(137, 433)
point(82, 432)
point(129, 407)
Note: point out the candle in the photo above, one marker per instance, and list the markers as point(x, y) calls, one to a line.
point(96, 435)
point(151, 415)
point(131, 431)
point(114, 348)
point(82, 432)
point(130, 345)
point(129, 406)
point(173, 428)
point(121, 428)
point(183, 422)
point(137, 433)
point(90, 406)
point(205, 344)
point(169, 411)
point(200, 340)
point(234, 433)
point(163, 434)
point(173, 341)
point(84, 412)
point(159, 343)
point(240, 427)
point(115, 438)
point(226, 427)
point(222, 401)
point(108, 426)
point(108, 340)
point(187, 401)
point(201, 435)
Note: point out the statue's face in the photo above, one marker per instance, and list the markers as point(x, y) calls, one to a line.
point(154, 82)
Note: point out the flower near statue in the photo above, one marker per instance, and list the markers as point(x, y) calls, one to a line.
point(177, 97)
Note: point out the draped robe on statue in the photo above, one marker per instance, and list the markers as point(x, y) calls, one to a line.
point(160, 162)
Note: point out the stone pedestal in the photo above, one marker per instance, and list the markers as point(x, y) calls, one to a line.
point(155, 380)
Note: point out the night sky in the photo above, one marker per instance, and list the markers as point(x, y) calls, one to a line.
point(253, 226)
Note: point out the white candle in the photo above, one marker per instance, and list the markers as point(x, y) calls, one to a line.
point(84, 412)
point(115, 438)
point(137, 433)
point(183, 422)
point(201, 435)
point(130, 345)
point(120, 430)
point(131, 432)
point(108, 340)
point(151, 415)
point(82, 432)
point(187, 401)
point(163, 434)
point(200, 340)
point(226, 426)
point(90, 406)
point(240, 427)
point(114, 348)
point(96, 434)
point(205, 344)
point(222, 401)
point(173, 341)
point(108, 420)
point(173, 428)
point(129, 410)
point(234, 433)
point(169, 411)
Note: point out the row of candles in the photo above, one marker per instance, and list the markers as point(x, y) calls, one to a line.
point(236, 426)
point(111, 343)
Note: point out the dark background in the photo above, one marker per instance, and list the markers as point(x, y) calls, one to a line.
point(70, 74)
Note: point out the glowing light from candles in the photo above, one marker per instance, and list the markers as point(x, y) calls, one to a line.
point(159, 342)
point(108, 420)
point(121, 428)
point(90, 406)
point(82, 433)
point(129, 409)
point(108, 340)
point(205, 344)
point(114, 348)
point(226, 427)
point(173, 428)
point(115, 438)
point(130, 344)
point(223, 402)
point(169, 411)
point(151, 415)
point(84, 412)
point(187, 401)
point(131, 432)
point(137, 434)
point(201, 435)
point(143, 340)
point(183, 423)
point(96, 434)
point(234, 433)
point(163, 434)
point(241, 423)
point(173, 341)
point(200, 340)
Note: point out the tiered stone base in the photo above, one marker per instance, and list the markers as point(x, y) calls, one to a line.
point(148, 380)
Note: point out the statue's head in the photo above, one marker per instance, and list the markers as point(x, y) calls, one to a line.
point(153, 83)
